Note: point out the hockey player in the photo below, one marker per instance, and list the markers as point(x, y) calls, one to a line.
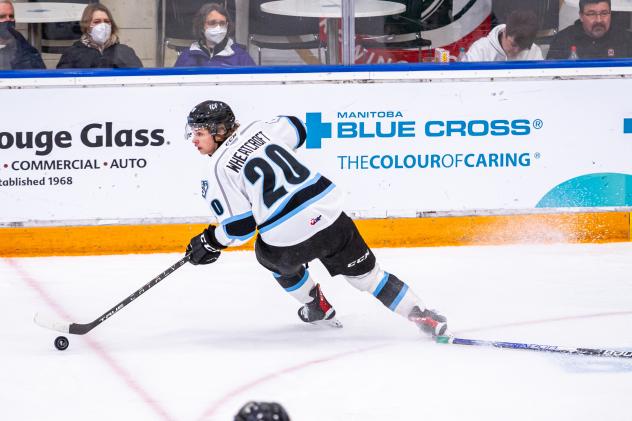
point(257, 183)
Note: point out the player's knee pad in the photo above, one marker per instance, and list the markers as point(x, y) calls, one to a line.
point(368, 281)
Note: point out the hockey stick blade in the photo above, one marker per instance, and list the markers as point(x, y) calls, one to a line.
point(83, 328)
point(536, 347)
point(48, 323)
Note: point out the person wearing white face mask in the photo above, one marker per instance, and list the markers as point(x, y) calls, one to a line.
point(214, 46)
point(99, 45)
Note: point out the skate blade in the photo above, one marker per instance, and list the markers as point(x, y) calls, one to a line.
point(333, 322)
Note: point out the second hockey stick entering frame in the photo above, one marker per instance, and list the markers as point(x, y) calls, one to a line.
point(83, 328)
point(536, 347)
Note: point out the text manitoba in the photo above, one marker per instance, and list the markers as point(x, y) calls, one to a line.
point(489, 160)
point(370, 114)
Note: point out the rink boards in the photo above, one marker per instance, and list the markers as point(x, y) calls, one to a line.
point(426, 155)
point(397, 232)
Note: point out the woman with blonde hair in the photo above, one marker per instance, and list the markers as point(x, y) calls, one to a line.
point(99, 45)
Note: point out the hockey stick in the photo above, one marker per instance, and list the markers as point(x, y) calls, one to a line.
point(83, 328)
point(536, 347)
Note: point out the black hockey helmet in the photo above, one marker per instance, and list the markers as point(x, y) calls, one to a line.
point(209, 115)
point(262, 411)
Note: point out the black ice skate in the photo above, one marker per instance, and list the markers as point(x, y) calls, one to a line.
point(318, 311)
point(428, 321)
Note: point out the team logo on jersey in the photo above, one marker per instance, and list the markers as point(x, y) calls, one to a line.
point(204, 188)
point(610, 52)
point(314, 221)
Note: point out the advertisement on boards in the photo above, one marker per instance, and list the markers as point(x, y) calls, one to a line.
point(109, 153)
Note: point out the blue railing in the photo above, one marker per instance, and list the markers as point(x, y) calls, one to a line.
point(393, 67)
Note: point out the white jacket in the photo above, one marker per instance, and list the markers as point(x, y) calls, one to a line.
point(489, 49)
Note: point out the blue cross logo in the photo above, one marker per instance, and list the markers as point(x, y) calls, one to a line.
point(627, 125)
point(316, 130)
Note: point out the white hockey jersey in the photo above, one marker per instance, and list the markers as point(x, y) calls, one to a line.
point(257, 182)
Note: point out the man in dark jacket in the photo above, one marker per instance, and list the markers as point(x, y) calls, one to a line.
point(15, 51)
point(592, 35)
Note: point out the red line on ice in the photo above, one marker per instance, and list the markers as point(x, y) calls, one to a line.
point(215, 406)
point(94, 345)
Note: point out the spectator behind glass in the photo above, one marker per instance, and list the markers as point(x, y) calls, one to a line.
point(510, 41)
point(15, 51)
point(214, 47)
point(592, 34)
point(99, 45)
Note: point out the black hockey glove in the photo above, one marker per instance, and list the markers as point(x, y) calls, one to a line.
point(204, 248)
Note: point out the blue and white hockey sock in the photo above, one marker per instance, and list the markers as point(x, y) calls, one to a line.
point(396, 295)
point(298, 285)
point(389, 289)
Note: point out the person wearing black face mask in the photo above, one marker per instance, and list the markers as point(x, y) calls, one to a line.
point(15, 51)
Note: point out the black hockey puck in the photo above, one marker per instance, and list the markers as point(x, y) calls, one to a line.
point(61, 343)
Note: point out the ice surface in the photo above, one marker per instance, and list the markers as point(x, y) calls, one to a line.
point(207, 339)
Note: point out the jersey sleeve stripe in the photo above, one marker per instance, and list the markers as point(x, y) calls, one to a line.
point(240, 227)
point(301, 132)
point(299, 201)
point(216, 171)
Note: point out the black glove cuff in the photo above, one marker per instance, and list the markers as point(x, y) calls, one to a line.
point(209, 234)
